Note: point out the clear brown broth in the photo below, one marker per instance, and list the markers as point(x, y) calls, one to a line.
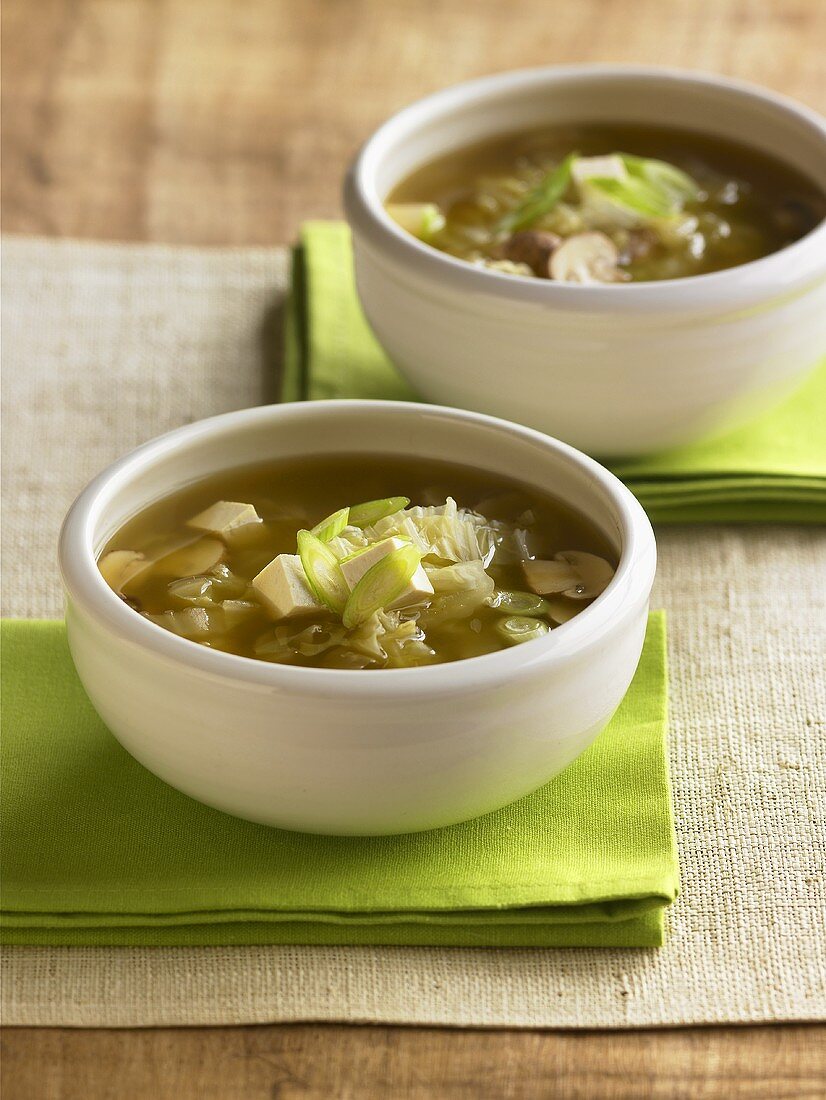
point(765, 203)
point(298, 493)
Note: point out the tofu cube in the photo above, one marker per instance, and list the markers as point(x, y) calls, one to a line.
point(607, 167)
point(354, 568)
point(283, 589)
point(223, 516)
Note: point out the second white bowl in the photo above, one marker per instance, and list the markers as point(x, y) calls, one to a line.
point(613, 370)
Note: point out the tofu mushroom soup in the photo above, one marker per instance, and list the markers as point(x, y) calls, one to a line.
point(358, 562)
point(607, 204)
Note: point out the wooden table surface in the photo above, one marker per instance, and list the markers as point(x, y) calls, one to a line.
point(228, 122)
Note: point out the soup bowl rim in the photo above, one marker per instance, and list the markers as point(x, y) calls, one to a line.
point(798, 262)
point(85, 587)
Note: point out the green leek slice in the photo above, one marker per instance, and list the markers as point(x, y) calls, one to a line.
point(323, 572)
point(365, 515)
point(669, 180)
point(381, 585)
point(521, 628)
point(519, 603)
point(653, 189)
point(541, 200)
point(332, 526)
point(635, 194)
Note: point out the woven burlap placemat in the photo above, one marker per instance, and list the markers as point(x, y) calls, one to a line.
point(105, 346)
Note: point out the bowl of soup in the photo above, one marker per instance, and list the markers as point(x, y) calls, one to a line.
point(629, 259)
point(356, 617)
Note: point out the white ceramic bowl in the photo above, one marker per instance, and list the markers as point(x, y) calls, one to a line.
point(629, 368)
point(338, 751)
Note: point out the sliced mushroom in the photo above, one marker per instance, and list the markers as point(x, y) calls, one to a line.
point(118, 567)
point(586, 258)
point(574, 573)
point(534, 248)
point(594, 574)
point(546, 577)
point(192, 560)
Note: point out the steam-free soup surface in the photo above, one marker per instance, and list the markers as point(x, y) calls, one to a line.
point(442, 562)
point(607, 204)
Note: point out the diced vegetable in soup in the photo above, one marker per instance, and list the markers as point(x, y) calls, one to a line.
point(607, 204)
point(358, 562)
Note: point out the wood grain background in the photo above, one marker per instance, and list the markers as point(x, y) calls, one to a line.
point(228, 122)
point(322, 1062)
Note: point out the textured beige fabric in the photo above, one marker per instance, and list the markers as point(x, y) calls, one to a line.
point(105, 346)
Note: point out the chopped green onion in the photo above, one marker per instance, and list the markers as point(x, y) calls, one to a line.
point(520, 628)
point(365, 515)
point(653, 189)
point(541, 200)
point(332, 526)
point(519, 603)
point(322, 571)
point(381, 585)
point(635, 194)
point(672, 182)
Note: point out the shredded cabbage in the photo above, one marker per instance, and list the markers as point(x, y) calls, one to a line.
point(469, 576)
point(391, 637)
point(455, 546)
point(447, 532)
point(313, 639)
point(348, 542)
point(459, 590)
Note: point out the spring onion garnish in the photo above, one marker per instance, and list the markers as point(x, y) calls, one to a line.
point(322, 571)
point(635, 194)
point(521, 628)
point(650, 189)
point(381, 585)
point(541, 200)
point(331, 526)
point(670, 181)
point(365, 515)
point(519, 603)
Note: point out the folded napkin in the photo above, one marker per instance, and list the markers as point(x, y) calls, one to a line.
point(772, 470)
point(96, 850)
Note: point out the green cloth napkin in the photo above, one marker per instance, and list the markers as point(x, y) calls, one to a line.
point(774, 470)
point(96, 850)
